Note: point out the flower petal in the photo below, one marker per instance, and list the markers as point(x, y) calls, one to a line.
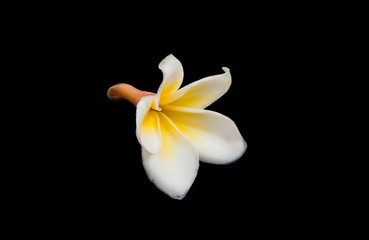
point(174, 168)
point(172, 77)
point(215, 136)
point(201, 93)
point(147, 125)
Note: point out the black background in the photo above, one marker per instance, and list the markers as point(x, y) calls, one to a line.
point(88, 162)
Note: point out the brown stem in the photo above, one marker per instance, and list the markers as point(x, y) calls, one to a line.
point(128, 92)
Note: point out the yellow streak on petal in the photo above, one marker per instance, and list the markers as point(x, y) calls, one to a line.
point(171, 138)
point(150, 132)
point(189, 124)
point(167, 147)
point(150, 123)
point(201, 93)
point(195, 97)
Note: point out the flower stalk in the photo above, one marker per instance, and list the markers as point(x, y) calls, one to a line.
point(128, 92)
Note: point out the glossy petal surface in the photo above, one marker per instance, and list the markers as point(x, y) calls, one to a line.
point(174, 168)
point(215, 136)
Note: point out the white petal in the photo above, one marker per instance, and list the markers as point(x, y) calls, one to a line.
point(215, 136)
point(172, 77)
point(147, 125)
point(174, 168)
point(201, 93)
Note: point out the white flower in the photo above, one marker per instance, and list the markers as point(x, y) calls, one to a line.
point(175, 131)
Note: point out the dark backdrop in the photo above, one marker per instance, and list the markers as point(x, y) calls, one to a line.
point(101, 156)
point(89, 161)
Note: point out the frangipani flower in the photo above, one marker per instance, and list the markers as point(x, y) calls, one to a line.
point(175, 131)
